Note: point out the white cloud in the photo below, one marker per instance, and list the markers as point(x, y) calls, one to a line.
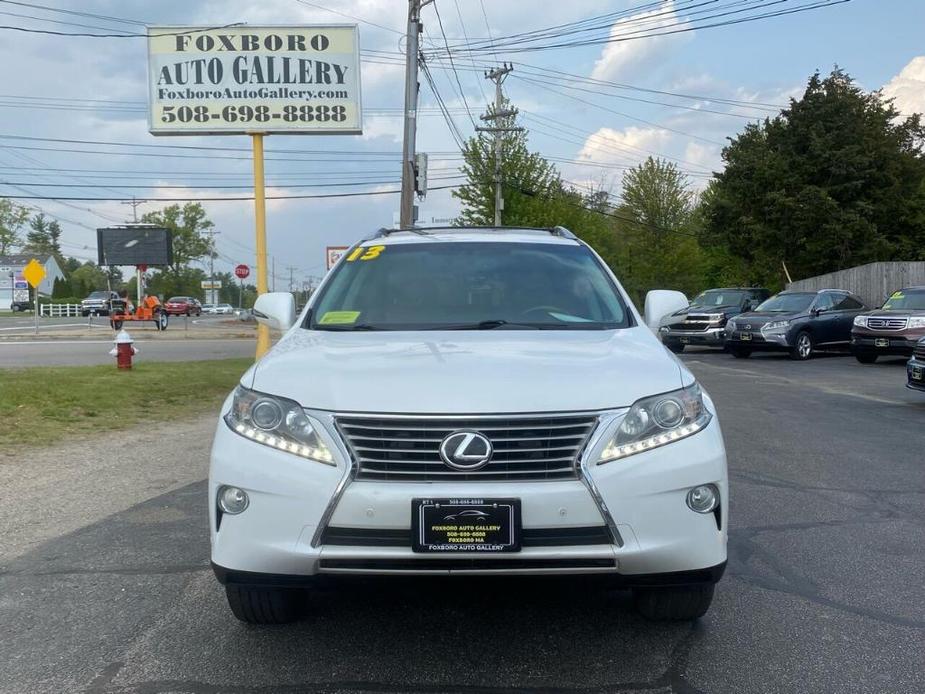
point(908, 87)
point(620, 57)
point(623, 146)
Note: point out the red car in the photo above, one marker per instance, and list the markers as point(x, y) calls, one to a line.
point(183, 306)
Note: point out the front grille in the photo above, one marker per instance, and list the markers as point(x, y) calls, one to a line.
point(695, 322)
point(529, 537)
point(919, 350)
point(887, 323)
point(408, 448)
point(463, 564)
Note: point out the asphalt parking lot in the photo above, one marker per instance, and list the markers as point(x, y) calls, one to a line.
point(105, 585)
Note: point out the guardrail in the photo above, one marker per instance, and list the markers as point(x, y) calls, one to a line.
point(59, 310)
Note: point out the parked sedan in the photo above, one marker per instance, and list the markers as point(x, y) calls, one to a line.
point(795, 322)
point(183, 306)
point(224, 309)
point(704, 321)
point(209, 309)
point(892, 329)
point(915, 369)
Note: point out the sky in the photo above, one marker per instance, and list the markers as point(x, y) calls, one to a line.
point(95, 89)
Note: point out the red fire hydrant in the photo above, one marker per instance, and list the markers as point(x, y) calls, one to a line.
point(124, 351)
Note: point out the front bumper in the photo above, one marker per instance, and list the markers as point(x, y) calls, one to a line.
point(759, 342)
point(711, 337)
point(915, 374)
point(626, 518)
point(887, 344)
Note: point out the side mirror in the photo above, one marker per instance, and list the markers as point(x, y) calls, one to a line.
point(817, 311)
point(275, 310)
point(660, 303)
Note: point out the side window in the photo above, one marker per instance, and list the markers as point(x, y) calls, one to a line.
point(824, 302)
point(848, 303)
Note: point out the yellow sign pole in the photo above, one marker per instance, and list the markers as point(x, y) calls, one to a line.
point(260, 210)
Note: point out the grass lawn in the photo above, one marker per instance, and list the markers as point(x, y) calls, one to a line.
point(44, 405)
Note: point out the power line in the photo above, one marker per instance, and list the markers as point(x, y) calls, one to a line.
point(462, 92)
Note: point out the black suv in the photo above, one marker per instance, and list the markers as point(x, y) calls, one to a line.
point(704, 321)
point(795, 322)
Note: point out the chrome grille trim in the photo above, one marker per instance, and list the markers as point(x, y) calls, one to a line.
point(526, 447)
point(887, 323)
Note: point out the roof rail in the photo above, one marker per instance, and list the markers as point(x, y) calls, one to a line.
point(563, 232)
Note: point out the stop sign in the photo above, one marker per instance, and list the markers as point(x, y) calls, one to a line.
point(242, 271)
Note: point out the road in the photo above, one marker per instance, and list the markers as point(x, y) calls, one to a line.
point(105, 585)
point(17, 324)
point(60, 352)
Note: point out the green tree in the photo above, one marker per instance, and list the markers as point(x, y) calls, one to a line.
point(837, 179)
point(527, 179)
point(44, 238)
point(87, 278)
point(12, 219)
point(656, 230)
point(186, 224)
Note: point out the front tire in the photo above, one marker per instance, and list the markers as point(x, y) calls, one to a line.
point(802, 347)
point(865, 358)
point(263, 605)
point(116, 324)
point(685, 603)
point(161, 321)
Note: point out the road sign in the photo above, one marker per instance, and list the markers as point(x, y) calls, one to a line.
point(247, 79)
point(211, 284)
point(34, 273)
point(334, 254)
point(242, 271)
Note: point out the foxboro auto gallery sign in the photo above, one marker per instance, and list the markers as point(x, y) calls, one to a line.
point(246, 79)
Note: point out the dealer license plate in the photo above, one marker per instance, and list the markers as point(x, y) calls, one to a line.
point(918, 373)
point(465, 525)
point(881, 342)
point(745, 336)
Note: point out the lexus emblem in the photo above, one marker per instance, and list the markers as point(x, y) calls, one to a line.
point(466, 450)
point(748, 326)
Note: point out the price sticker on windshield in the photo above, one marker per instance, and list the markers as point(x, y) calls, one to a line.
point(365, 253)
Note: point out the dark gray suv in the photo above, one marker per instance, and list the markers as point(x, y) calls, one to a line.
point(795, 322)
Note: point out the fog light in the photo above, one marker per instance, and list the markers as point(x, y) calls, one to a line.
point(232, 500)
point(703, 499)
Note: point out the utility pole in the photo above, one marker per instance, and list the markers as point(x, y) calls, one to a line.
point(408, 171)
point(134, 203)
point(291, 269)
point(211, 233)
point(498, 75)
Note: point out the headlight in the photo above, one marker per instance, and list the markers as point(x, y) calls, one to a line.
point(775, 325)
point(715, 317)
point(860, 321)
point(656, 421)
point(277, 422)
point(730, 326)
point(916, 322)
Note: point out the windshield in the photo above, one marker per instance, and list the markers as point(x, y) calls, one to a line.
point(177, 300)
point(906, 300)
point(436, 285)
point(98, 295)
point(718, 297)
point(787, 303)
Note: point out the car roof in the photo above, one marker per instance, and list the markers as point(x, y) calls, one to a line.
point(389, 237)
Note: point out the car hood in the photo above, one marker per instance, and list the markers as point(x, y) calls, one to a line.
point(759, 318)
point(896, 313)
point(468, 372)
point(679, 316)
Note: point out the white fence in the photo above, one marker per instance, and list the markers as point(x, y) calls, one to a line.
point(59, 310)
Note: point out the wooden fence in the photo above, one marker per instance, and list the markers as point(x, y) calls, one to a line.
point(873, 282)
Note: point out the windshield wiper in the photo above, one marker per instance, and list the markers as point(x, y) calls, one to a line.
point(346, 328)
point(490, 325)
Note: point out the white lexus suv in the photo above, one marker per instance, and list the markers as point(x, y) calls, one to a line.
point(468, 401)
